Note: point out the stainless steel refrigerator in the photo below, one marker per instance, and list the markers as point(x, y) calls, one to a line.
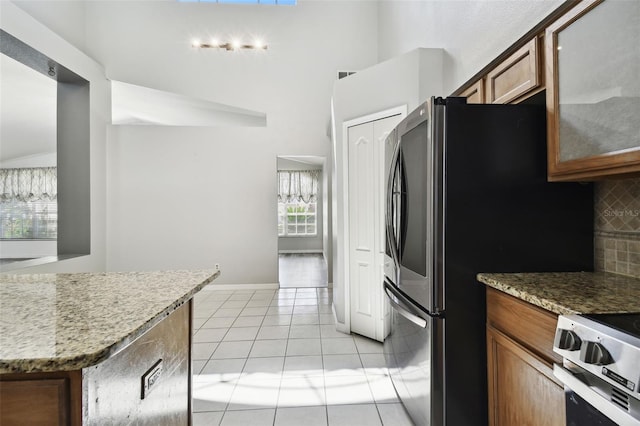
point(468, 193)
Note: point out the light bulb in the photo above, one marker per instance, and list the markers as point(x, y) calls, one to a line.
point(258, 44)
point(236, 44)
point(195, 43)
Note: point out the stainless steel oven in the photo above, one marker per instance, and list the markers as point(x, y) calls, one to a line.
point(600, 369)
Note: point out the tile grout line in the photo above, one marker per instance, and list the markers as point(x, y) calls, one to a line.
point(289, 336)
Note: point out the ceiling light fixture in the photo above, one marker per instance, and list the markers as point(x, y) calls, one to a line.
point(229, 46)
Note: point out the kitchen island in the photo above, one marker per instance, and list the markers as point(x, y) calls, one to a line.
point(97, 348)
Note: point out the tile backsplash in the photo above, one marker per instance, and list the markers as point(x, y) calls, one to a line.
point(617, 226)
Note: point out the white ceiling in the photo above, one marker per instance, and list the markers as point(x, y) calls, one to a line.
point(27, 111)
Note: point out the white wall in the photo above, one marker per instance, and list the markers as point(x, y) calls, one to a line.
point(409, 79)
point(189, 197)
point(24, 27)
point(327, 221)
point(473, 32)
point(37, 160)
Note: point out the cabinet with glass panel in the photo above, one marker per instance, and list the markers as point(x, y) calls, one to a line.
point(593, 91)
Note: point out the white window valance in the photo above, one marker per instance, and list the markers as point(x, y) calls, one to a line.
point(29, 184)
point(298, 185)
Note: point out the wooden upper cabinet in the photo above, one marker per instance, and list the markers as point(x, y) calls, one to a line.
point(593, 91)
point(518, 75)
point(475, 93)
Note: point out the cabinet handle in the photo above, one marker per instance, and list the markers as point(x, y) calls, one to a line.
point(150, 378)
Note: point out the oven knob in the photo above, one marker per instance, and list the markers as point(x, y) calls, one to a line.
point(594, 353)
point(567, 339)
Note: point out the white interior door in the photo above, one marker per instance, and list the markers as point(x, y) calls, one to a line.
point(368, 308)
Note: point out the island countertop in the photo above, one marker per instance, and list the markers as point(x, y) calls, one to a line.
point(63, 322)
point(570, 292)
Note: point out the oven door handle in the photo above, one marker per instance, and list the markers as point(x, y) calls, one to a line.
point(592, 397)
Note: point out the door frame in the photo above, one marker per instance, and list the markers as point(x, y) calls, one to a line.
point(313, 161)
point(398, 110)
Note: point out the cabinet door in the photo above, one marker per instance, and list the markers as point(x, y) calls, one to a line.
point(522, 388)
point(34, 402)
point(475, 93)
point(593, 91)
point(49, 398)
point(517, 75)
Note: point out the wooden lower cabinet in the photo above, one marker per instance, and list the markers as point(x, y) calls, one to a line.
point(44, 400)
point(146, 383)
point(522, 389)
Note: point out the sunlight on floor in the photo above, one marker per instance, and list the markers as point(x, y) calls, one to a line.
point(275, 358)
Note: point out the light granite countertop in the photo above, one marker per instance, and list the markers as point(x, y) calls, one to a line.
point(62, 322)
point(571, 292)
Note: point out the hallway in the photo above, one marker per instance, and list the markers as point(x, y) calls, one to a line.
point(302, 270)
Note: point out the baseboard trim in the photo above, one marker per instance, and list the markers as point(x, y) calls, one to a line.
point(215, 287)
point(312, 251)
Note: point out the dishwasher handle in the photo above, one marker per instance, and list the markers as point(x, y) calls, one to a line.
point(404, 306)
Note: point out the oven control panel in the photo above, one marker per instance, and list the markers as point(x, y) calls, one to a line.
point(608, 353)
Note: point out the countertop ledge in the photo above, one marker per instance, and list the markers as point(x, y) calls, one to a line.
point(570, 292)
point(64, 322)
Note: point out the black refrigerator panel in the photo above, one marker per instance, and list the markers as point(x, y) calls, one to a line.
point(501, 212)
point(501, 215)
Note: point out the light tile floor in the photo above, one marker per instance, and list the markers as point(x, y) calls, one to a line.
point(302, 270)
point(274, 357)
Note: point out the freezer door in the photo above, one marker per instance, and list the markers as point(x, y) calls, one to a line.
point(413, 353)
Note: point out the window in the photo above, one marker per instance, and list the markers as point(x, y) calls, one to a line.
point(297, 202)
point(28, 203)
point(29, 220)
point(297, 219)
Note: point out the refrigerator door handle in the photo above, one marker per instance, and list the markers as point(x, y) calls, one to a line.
point(391, 232)
point(403, 306)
